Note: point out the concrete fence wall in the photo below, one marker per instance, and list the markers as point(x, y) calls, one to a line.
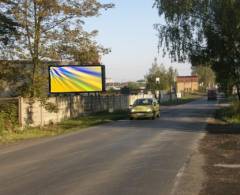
point(35, 114)
point(167, 97)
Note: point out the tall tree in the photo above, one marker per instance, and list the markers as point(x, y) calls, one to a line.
point(206, 76)
point(158, 78)
point(51, 30)
point(204, 32)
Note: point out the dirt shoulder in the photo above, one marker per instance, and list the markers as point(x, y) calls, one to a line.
point(221, 150)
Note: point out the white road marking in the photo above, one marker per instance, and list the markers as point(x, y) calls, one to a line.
point(178, 178)
point(231, 166)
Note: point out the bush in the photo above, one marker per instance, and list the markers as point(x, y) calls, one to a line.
point(236, 107)
point(8, 116)
point(230, 114)
point(51, 107)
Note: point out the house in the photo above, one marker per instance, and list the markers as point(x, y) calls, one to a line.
point(187, 84)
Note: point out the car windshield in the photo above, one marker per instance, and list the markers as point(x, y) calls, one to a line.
point(143, 102)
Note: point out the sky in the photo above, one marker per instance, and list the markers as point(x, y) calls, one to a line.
point(128, 31)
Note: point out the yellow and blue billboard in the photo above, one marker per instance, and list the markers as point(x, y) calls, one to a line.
point(76, 79)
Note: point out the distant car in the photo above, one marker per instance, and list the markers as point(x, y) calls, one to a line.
point(145, 108)
point(221, 95)
point(212, 94)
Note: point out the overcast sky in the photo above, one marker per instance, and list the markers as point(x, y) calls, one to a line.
point(128, 30)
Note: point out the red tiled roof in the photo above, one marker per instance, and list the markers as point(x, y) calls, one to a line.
point(187, 78)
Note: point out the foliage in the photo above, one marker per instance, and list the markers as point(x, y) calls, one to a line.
point(230, 114)
point(134, 85)
point(52, 30)
point(236, 108)
point(204, 32)
point(49, 106)
point(8, 116)
point(166, 77)
point(15, 77)
point(77, 45)
point(125, 90)
point(111, 91)
point(8, 28)
point(206, 76)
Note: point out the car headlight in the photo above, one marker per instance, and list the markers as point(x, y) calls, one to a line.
point(133, 110)
point(149, 110)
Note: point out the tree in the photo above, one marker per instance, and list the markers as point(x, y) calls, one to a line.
point(51, 30)
point(203, 32)
point(13, 78)
point(171, 77)
point(8, 28)
point(77, 46)
point(206, 76)
point(133, 86)
point(166, 77)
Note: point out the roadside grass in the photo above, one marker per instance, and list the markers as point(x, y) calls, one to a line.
point(230, 114)
point(63, 127)
point(185, 99)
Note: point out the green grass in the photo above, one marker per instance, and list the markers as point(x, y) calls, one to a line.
point(230, 114)
point(185, 99)
point(65, 126)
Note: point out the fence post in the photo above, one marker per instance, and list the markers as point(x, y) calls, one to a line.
point(20, 102)
point(91, 104)
point(71, 106)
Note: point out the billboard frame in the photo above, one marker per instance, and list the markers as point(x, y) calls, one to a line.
point(82, 65)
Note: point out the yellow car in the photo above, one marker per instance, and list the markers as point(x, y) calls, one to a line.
point(145, 108)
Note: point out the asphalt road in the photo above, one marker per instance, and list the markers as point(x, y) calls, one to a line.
point(140, 157)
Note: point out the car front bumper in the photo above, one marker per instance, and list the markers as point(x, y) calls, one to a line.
point(141, 114)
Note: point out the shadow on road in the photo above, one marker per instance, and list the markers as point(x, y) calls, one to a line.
point(186, 118)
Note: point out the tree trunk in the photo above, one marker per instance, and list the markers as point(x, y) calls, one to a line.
point(37, 34)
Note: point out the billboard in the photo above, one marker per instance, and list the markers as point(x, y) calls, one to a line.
point(76, 79)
